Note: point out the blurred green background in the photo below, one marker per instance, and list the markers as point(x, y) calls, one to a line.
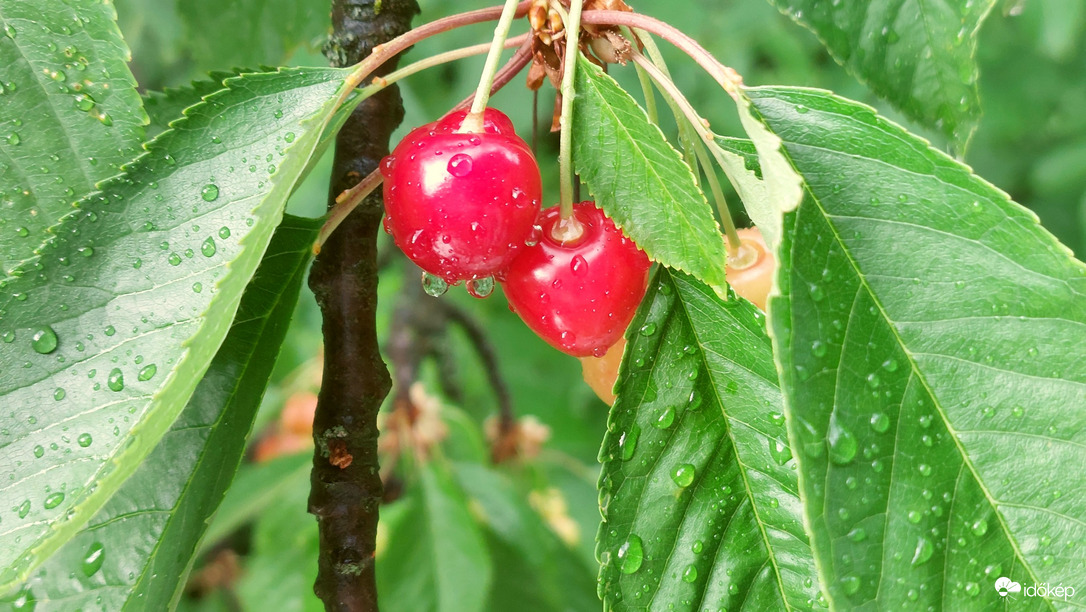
point(535, 519)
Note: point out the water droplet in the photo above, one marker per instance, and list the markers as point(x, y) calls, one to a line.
point(14, 139)
point(434, 286)
point(690, 574)
point(801, 109)
point(648, 329)
point(914, 517)
point(818, 348)
point(817, 294)
point(39, 451)
point(873, 380)
point(8, 337)
point(578, 265)
point(116, 380)
point(9, 31)
point(147, 372)
point(289, 137)
point(209, 248)
point(890, 365)
point(843, 445)
point(54, 500)
point(84, 102)
point(925, 469)
point(697, 547)
point(980, 527)
point(210, 193)
point(780, 451)
point(110, 330)
point(460, 165)
point(665, 418)
point(880, 423)
point(631, 554)
point(92, 561)
point(851, 584)
point(174, 259)
point(224, 232)
point(84, 440)
point(534, 236)
point(923, 552)
point(44, 340)
point(683, 475)
point(628, 441)
point(197, 287)
point(480, 287)
point(858, 534)
point(59, 394)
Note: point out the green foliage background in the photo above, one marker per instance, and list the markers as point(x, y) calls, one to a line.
point(1031, 142)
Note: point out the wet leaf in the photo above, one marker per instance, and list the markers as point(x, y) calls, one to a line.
point(71, 114)
point(135, 553)
point(109, 330)
point(698, 492)
point(932, 342)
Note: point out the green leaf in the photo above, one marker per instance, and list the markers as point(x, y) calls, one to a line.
point(108, 331)
point(521, 544)
point(135, 553)
point(71, 114)
point(932, 340)
point(641, 181)
point(436, 560)
point(257, 487)
point(698, 491)
point(252, 32)
point(282, 565)
point(919, 55)
point(166, 106)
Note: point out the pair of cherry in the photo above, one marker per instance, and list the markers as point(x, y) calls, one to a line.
point(465, 206)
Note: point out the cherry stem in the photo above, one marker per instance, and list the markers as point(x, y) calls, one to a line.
point(511, 69)
point(683, 110)
point(473, 123)
point(389, 50)
point(686, 135)
point(726, 77)
point(350, 199)
point(565, 148)
point(346, 202)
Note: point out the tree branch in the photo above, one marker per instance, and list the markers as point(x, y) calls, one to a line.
point(346, 485)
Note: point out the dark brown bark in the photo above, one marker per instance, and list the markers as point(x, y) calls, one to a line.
point(346, 485)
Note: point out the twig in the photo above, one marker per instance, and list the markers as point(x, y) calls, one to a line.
point(485, 350)
point(346, 485)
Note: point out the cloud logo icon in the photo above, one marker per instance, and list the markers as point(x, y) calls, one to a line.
point(1005, 585)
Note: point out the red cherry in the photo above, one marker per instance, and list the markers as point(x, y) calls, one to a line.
point(579, 296)
point(460, 205)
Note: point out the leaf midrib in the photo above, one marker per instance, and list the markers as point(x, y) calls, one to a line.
point(770, 553)
point(953, 433)
point(621, 127)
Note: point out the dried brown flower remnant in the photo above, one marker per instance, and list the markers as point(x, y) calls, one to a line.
point(600, 44)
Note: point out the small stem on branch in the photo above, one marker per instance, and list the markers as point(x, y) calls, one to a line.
point(511, 69)
point(569, 90)
point(384, 52)
point(474, 121)
point(685, 113)
point(724, 76)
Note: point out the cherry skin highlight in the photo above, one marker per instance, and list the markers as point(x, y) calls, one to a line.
point(579, 296)
point(460, 205)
